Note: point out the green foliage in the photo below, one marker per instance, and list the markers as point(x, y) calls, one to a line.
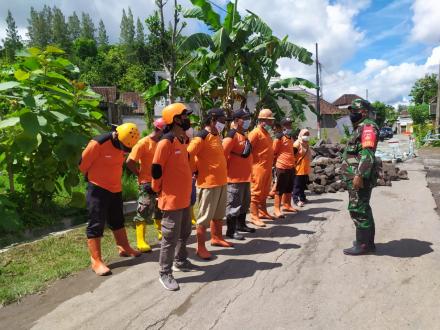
point(129, 187)
point(50, 119)
point(127, 29)
point(424, 89)
point(385, 114)
point(84, 48)
point(420, 131)
point(74, 26)
point(419, 113)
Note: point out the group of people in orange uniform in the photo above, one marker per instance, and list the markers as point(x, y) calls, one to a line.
point(224, 176)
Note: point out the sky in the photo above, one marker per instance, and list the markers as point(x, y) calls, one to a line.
point(375, 45)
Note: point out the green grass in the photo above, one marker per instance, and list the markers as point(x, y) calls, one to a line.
point(31, 267)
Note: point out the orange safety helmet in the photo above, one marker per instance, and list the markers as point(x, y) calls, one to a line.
point(172, 110)
point(128, 134)
point(159, 123)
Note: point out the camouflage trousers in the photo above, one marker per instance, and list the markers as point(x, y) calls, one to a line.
point(147, 209)
point(359, 205)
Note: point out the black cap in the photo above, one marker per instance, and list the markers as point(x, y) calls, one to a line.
point(216, 112)
point(286, 120)
point(241, 113)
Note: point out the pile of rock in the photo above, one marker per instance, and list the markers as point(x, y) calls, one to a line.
point(326, 170)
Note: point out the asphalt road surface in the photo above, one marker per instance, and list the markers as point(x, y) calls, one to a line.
point(291, 275)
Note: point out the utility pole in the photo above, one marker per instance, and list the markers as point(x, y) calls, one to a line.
point(318, 103)
point(366, 94)
point(437, 110)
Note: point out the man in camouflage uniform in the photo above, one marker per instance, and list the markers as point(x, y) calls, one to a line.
point(359, 172)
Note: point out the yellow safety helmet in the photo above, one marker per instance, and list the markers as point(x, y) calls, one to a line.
point(265, 114)
point(172, 110)
point(128, 134)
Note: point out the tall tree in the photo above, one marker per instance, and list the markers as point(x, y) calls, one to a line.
point(74, 25)
point(424, 89)
point(102, 35)
point(60, 31)
point(12, 42)
point(40, 25)
point(87, 27)
point(127, 29)
point(140, 33)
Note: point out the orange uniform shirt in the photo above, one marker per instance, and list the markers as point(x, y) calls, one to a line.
point(303, 159)
point(239, 168)
point(262, 150)
point(207, 154)
point(102, 163)
point(283, 152)
point(174, 185)
point(143, 153)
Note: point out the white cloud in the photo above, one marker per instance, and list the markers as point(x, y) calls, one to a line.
point(426, 20)
point(387, 83)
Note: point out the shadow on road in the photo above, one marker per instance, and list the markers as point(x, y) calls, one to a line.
point(325, 200)
point(229, 269)
point(404, 248)
point(280, 231)
point(255, 246)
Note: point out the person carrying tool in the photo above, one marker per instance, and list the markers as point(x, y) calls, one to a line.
point(147, 210)
point(209, 162)
point(262, 153)
point(285, 172)
point(359, 172)
point(171, 179)
point(101, 163)
point(238, 153)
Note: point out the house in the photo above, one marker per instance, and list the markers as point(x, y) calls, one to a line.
point(404, 123)
point(344, 101)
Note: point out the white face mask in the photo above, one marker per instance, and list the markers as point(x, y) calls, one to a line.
point(219, 126)
point(305, 138)
point(190, 133)
point(246, 123)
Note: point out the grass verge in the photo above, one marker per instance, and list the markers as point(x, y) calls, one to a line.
point(31, 267)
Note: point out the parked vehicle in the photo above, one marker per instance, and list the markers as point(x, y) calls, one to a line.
point(385, 133)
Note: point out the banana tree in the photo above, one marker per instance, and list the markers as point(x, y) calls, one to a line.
point(244, 52)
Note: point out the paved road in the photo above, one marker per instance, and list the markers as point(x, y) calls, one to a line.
point(291, 275)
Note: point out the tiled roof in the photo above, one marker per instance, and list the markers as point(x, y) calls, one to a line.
point(109, 93)
point(346, 100)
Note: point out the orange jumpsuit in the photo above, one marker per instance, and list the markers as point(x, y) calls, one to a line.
point(262, 153)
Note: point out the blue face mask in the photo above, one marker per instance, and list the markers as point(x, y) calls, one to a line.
point(246, 123)
point(267, 127)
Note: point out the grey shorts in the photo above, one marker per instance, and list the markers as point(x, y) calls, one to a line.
point(211, 203)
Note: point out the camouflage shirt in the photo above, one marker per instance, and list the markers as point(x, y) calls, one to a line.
point(358, 157)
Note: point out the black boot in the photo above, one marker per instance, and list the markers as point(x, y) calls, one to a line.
point(241, 224)
point(372, 233)
point(230, 231)
point(362, 244)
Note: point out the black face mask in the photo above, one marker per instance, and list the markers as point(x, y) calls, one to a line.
point(355, 117)
point(186, 124)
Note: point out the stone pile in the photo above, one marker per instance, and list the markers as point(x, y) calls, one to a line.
point(326, 170)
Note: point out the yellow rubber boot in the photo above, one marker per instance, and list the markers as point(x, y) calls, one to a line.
point(142, 245)
point(193, 216)
point(158, 226)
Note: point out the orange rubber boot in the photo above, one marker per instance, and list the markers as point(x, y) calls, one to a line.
point(217, 236)
point(276, 206)
point(287, 203)
point(201, 251)
point(98, 266)
point(255, 219)
point(125, 250)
